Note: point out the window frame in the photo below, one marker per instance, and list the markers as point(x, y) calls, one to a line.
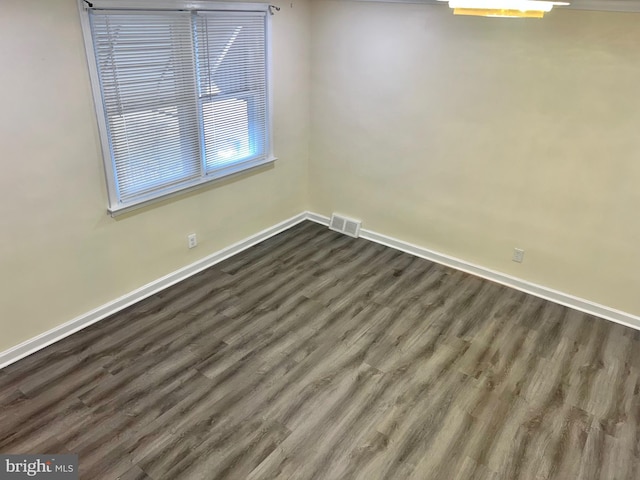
point(115, 207)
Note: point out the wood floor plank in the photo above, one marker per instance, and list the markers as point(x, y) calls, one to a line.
point(134, 473)
point(314, 355)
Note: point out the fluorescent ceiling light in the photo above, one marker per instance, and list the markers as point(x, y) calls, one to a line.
point(503, 8)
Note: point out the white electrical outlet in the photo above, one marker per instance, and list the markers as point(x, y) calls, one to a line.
point(192, 239)
point(518, 255)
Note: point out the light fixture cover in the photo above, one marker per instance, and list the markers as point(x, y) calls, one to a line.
point(503, 8)
point(486, 12)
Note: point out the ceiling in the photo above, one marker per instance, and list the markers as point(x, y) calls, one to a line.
point(598, 5)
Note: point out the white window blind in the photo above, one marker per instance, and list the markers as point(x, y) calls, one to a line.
point(184, 97)
point(231, 59)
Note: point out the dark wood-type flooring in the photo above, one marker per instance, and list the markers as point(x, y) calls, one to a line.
point(317, 356)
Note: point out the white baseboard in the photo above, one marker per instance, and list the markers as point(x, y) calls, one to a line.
point(58, 333)
point(321, 219)
point(555, 296)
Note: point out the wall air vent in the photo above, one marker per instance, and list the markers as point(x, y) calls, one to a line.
point(345, 225)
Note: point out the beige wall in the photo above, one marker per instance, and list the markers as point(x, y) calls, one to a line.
point(472, 136)
point(61, 255)
point(469, 136)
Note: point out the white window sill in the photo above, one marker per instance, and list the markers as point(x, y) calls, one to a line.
point(221, 174)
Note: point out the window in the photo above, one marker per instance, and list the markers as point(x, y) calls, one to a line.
point(181, 96)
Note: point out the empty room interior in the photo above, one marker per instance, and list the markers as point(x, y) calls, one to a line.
point(320, 239)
